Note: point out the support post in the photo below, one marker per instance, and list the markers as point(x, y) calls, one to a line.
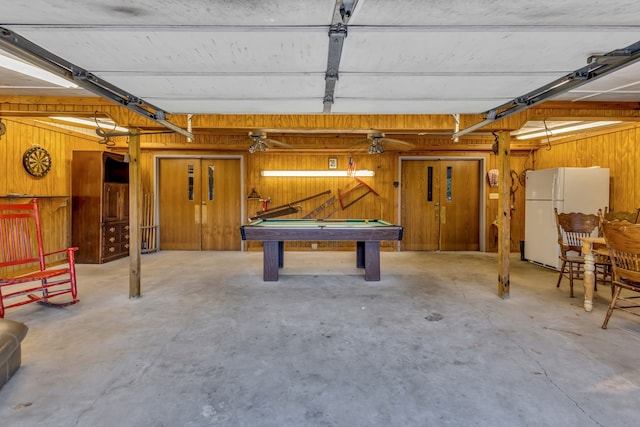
point(504, 213)
point(135, 207)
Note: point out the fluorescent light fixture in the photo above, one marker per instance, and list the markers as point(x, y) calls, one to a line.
point(363, 172)
point(105, 124)
point(76, 129)
point(554, 132)
point(38, 73)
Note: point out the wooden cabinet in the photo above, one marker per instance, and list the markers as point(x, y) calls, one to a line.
point(100, 206)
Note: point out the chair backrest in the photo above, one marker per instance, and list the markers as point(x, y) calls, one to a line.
point(571, 226)
point(20, 235)
point(631, 217)
point(623, 242)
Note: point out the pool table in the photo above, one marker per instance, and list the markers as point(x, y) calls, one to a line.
point(367, 233)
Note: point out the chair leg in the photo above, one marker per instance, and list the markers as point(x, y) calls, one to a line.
point(571, 280)
point(612, 305)
point(613, 288)
point(564, 264)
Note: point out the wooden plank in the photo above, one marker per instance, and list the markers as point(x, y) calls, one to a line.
point(504, 217)
point(135, 207)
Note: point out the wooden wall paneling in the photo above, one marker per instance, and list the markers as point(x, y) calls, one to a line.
point(518, 163)
point(55, 212)
point(4, 158)
point(320, 121)
point(283, 190)
point(624, 176)
point(617, 151)
point(634, 203)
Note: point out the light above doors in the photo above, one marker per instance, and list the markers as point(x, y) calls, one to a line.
point(544, 129)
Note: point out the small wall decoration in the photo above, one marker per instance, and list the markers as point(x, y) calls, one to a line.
point(37, 161)
point(492, 177)
point(333, 163)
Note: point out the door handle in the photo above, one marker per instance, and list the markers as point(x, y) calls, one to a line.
point(443, 215)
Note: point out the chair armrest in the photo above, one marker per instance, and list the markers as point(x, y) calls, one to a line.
point(68, 250)
point(564, 248)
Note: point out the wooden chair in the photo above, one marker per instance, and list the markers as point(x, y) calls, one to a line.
point(25, 276)
point(623, 242)
point(571, 227)
point(606, 215)
point(631, 217)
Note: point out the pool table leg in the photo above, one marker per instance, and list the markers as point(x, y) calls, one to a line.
point(271, 259)
point(360, 254)
point(280, 254)
point(372, 261)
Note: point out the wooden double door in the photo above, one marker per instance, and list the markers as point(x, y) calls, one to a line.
point(440, 205)
point(200, 204)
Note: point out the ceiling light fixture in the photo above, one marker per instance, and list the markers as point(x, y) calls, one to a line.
point(105, 124)
point(554, 132)
point(257, 146)
point(38, 73)
point(376, 146)
point(76, 129)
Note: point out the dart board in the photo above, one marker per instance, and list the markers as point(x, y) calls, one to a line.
point(37, 161)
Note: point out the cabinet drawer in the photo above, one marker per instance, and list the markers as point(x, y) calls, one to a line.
point(115, 229)
point(118, 250)
point(111, 229)
point(110, 250)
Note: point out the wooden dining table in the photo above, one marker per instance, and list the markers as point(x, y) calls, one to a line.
point(591, 246)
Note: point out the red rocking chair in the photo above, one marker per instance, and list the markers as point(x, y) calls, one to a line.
point(23, 261)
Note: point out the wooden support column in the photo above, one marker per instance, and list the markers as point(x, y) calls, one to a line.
point(504, 213)
point(135, 208)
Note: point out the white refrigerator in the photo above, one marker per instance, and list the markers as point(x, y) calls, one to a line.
point(569, 190)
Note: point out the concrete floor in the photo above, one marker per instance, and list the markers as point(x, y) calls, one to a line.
point(431, 344)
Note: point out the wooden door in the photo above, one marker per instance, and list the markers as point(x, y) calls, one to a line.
point(221, 201)
point(440, 205)
point(419, 203)
point(200, 202)
point(179, 203)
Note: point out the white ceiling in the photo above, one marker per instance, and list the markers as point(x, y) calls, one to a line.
point(270, 56)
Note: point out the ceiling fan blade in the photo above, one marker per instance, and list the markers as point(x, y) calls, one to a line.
point(362, 145)
point(397, 141)
point(396, 144)
point(280, 144)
